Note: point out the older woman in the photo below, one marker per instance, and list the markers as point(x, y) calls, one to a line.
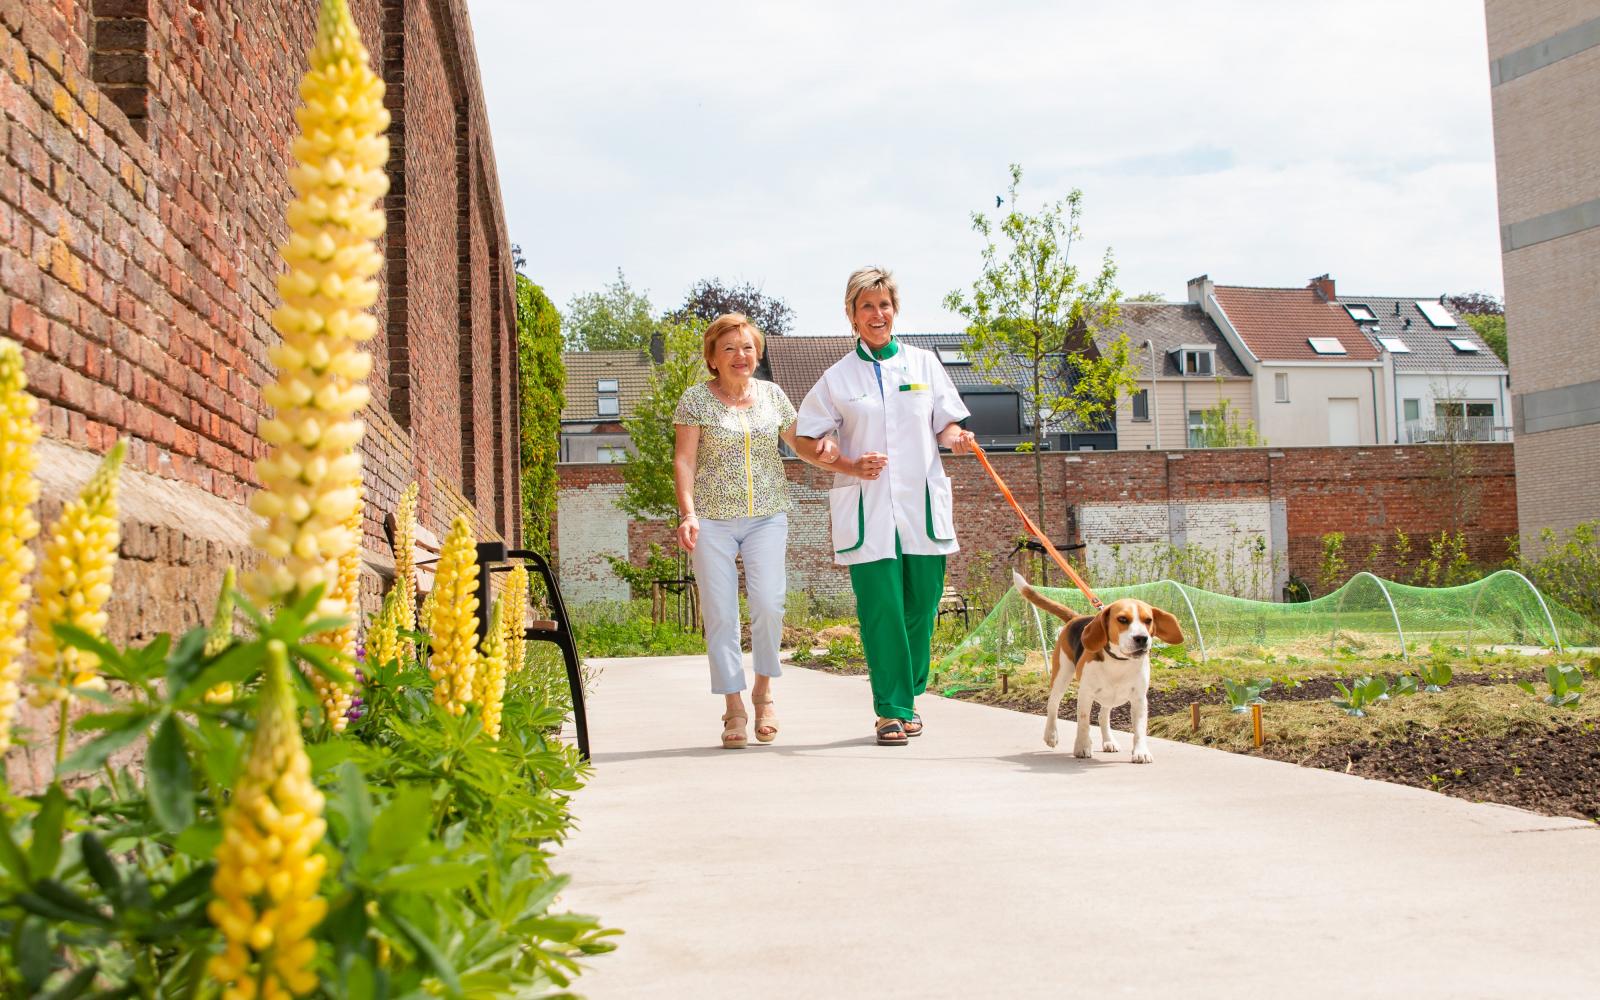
point(734, 501)
point(892, 406)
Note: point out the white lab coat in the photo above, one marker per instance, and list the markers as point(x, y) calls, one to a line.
point(912, 498)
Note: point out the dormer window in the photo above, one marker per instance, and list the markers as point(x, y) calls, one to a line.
point(1196, 359)
point(1327, 345)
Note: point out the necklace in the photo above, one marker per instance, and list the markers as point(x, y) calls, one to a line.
point(731, 400)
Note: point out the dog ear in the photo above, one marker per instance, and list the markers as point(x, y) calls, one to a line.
point(1166, 628)
point(1096, 633)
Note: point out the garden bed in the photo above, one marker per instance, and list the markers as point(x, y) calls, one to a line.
point(1482, 738)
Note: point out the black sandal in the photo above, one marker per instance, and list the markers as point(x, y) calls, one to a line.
point(913, 725)
point(887, 734)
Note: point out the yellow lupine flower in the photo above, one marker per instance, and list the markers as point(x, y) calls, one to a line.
point(265, 898)
point(405, 561)
point(336, 697)
point(516, 598)
point(221, 636)
point(312, 472)
point(80, 552)
point(18, 491)
point(383, 639)
point(455, 622)
point(490, 679)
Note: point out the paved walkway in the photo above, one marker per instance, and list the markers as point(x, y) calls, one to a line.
point(977, 863)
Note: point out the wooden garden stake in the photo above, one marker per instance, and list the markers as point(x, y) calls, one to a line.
point(1255, 722)
point(1005, 683)
point(1194, 715)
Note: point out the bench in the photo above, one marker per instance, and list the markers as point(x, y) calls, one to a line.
point(953, 602)
point(494, 557)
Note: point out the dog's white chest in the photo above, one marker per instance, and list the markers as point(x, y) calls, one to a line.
point(1113, 682)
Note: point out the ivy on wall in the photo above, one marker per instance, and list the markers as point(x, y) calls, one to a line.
point(542, 398)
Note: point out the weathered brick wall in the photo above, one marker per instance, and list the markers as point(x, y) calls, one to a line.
point(138, 265)
point(1366, 493)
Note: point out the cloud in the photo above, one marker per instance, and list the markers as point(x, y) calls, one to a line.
point(788, 143)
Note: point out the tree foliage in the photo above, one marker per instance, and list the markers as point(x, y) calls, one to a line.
point(541, 397)
point(1487, 316)
point(616, 318)
point(1031, 305)
point(647, 473)
point(709, 298)
point(1221, 428)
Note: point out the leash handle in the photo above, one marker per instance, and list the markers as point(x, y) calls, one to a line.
point(1033, 529)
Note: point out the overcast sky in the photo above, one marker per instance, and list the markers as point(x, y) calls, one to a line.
point(787, 143)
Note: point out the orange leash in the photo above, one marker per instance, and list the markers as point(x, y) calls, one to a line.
point(1033, 529)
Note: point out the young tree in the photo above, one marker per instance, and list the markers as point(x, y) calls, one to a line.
point(1221, 428)
point(541, 398)
point(1487, 316)
point(709, 298)
point(612, 319)
point(647, 488)
point(1031, 305)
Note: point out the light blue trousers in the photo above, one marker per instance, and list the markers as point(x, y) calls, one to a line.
point(761, 542)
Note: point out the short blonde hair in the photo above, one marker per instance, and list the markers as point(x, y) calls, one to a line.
point(729, 323)
point(868, 279)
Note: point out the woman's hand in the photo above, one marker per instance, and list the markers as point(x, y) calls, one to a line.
point(689, 532)
point(867, 466)
point(827, 451)
point(957, 438)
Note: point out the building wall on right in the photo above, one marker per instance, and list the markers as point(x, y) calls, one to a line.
point(1544, 73)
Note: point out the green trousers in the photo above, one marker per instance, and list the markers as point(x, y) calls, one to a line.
point(897, 602)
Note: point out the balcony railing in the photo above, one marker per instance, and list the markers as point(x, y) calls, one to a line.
point(1463, 429)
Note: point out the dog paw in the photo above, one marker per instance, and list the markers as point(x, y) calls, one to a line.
point(1110, 746)
point(1050, 738)
point(1081, 750)
point(1141, 755)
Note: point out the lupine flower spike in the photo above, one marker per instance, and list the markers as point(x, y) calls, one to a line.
point(405, 561)
point(268, 868)
point(311, 475)
point(491, 674)
point(383, 638)
point(455, 621)
point(80, 551)
point(221, 636)
point(336, 697)
point(18, 491)
point(516, 598)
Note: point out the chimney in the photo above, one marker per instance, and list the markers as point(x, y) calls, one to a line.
point(1324, 286)
point(1199, 288)
point(658, 348)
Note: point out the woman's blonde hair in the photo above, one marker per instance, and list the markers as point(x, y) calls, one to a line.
point(868, 279)
point(730, 323)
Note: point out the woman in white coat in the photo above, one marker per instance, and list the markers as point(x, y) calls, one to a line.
point(892, 406)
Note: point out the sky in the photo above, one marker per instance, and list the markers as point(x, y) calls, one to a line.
point(785, 143)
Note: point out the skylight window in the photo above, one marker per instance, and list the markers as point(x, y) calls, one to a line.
point(1437, 314)
point(1327, 345)
point(1361, 314)
point(952, 356)
point(1394, 345)
point(1464, 345)
point(605, 385)
point(607, 406)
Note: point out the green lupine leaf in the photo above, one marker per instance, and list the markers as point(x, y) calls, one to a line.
point(101, 868)
point(91, 755)
point(430, 953)
point(171, 781)
point(45, 850)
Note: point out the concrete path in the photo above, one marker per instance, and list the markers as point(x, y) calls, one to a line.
point(976, 862)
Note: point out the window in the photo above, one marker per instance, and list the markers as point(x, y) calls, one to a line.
point(1197, 428)
point(1461, 421)
point(611, 453)
point(1437, 314)
point(1198, 362)
point(1141, 404)
point(606, 406)
point(1361, 314)
point(1280, 387)
point(952, 356)
point(1394, 345)
point(1326, 345)
point(993, 413)
point(1413, 408)
point(606, 385)
point(1464, 345)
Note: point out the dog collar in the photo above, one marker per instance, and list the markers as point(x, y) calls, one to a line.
point(1114, 656)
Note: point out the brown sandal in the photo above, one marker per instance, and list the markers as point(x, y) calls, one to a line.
point(769, 722)
point(734, 737)
point(891, 733)
point(913, 725)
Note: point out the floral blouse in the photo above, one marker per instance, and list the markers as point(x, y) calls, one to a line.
point(738, 472)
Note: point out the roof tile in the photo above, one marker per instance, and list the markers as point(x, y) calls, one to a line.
point(1276, 323)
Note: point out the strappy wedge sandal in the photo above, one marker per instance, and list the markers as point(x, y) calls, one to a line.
point(913, 725)
point(892, 733)
point(734, 736)
point(769, 722)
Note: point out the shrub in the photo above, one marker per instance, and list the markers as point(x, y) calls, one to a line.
point(1569, 570)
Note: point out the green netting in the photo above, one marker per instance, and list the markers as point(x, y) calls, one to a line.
point(1367, 616)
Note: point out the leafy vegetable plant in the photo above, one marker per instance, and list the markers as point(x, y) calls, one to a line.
point(1435, 674)
point(1566, 684)
point(1242, 694)
point(1363, 691)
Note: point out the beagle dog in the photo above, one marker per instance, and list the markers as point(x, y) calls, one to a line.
point(1111, 656)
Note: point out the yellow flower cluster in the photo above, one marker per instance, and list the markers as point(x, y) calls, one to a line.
point(516, 598)
point(336, 697)
point(18, 491)
point(383, 639)
point(268, 869)
point(312, 473)
point(405, 561)
point(491, 675)
point(221, 636)
point(455, 621)
point(80, 551)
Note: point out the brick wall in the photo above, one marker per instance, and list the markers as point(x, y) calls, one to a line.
point(1364, 492)
point(138, 261)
